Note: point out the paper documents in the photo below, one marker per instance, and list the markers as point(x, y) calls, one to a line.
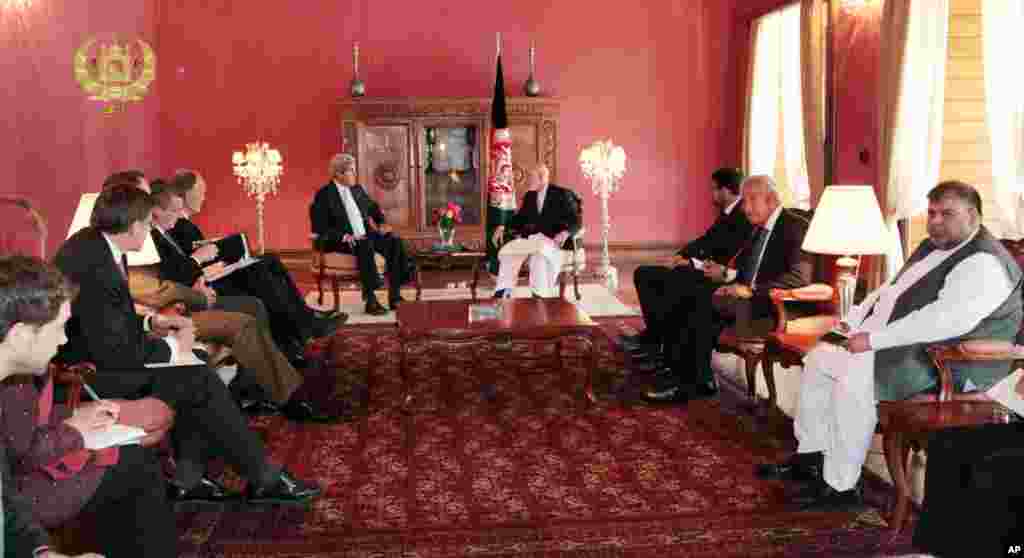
point(218, 271)
point(116, 435)
point(482, 312)
point(1006, 393)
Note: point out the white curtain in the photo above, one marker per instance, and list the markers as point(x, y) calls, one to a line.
point(912, 95)
point(776, 82)
point(1002, 24)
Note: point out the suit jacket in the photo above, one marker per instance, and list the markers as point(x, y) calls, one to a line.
point(175, 265)
point(723, 239)
point(561, 212)
point(783, 265)
point(186, 234)
point(30, 447)
point(104, 327)
point(330, 220)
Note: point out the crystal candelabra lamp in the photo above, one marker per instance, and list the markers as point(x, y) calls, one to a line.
point(847, 223)
point(603, 164)
point(259, 170)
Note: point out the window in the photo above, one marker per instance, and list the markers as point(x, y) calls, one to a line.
point(966, 151)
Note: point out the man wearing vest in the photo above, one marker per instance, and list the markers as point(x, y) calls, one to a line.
point(936, 297)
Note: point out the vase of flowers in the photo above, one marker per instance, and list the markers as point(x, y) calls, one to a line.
point(445, 218)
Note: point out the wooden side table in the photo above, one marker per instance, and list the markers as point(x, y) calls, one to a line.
point(787, 349)
point(445, 260)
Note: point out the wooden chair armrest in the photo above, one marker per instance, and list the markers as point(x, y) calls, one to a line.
point(817, 292)
point(968, 351)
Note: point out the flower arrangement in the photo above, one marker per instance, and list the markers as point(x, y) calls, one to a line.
point(446, 217)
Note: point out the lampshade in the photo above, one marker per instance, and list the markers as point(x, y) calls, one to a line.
point(847, 222)
point(147, 256)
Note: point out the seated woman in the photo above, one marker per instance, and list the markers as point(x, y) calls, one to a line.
point(44, 445)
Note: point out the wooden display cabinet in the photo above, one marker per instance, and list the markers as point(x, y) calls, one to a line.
point(418, 154)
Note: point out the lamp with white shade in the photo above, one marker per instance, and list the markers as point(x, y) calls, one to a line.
point(847, 222)
point(146, 256)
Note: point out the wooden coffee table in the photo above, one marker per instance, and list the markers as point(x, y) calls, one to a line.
point(445, 324)
point(445, 260)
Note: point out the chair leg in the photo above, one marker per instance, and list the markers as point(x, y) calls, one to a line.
point(896, 455)
point(768, 367)
point(576, 284)
point(337, 293)
point(751, 368)
point(561, 285)
point(320, 289)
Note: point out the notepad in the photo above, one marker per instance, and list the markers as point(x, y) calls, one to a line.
point(218, 271)
point(115, 435)
point(697, 264)
point(1005, 392)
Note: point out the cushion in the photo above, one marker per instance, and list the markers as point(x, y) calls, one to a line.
point(336, 263)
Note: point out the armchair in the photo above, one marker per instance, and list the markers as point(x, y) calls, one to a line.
point(574, 257)
point(337, 267)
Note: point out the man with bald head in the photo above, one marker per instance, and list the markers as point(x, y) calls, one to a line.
point(549, 216)
point(772, 259)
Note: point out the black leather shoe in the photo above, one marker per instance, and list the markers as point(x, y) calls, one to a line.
point(285, 489)
point(646, 363)
point(374, 307)
point(305, 411)
point(704, 390)
point(800, 467)
point(636, 340)
point(503, 293)
point(671, 396)
point(259, 407)
point(325, 327)
point(206, 491)
point(820, 496)
point(336, 315)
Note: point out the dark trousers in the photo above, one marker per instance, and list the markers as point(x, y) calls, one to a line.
point(390, 247)
point(270, 282)
point(666, 294)
point(130, 504)
point(207, 422)
point(973, 496)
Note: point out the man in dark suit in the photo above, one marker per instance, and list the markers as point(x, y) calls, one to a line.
point(772, 259)
point(697, 265)
point(291, 320)
point(549, 216)
point(105, 330)
point(238, 321)
point(345, 219)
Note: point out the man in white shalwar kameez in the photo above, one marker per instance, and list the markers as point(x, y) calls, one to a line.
point(959, 284)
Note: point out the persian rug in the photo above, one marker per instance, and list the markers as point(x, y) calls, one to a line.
point(507, 459)
point(596, 300)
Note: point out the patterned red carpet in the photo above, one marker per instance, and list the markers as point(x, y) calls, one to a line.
point(504, 459)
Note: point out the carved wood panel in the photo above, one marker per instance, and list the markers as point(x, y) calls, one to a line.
point(384, 171)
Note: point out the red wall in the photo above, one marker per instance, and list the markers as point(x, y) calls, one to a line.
point(652, 78)
point(55, 144)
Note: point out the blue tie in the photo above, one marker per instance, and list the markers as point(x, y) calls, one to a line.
point(748, 270)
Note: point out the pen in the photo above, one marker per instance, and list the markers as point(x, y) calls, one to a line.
point(90, 392)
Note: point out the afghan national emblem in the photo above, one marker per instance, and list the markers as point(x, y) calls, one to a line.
point(115, 72)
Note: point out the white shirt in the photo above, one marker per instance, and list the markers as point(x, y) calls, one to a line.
point(352, 210)
point(961, 305)
point(731, 206)
point(769, 226)
point(540, 198)
point(116, 251)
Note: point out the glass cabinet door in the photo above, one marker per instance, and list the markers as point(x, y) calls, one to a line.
point(450, 156)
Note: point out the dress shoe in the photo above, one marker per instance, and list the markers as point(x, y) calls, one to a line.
point(641, 338)
point(259, 407)
point(704, 390)
point(646, 363)
point(503, 293)
point(285, 489)
point(820, 496)
point(670, 396)
point(374, 307)
point(298, 410)
point(206, 491)
point(325, 327)
point(800, 467)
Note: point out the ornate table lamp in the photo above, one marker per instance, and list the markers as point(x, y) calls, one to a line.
point(259, 170)
point(604, 163)
point(847, 222)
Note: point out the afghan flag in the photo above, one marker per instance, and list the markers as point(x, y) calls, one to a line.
point(500, 189)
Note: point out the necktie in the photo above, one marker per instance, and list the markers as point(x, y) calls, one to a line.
point(748, 271)
point(170, 239)
point(124, 266)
